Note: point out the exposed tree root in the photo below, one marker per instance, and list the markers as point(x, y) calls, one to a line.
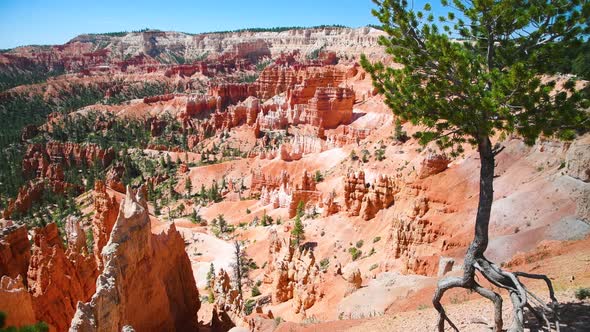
point(520, 296)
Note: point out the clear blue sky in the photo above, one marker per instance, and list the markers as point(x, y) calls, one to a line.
point(24, 22)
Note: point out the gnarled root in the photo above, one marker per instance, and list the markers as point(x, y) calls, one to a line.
point(520, 296)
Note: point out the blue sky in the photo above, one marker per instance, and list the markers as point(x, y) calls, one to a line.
point(25, 22)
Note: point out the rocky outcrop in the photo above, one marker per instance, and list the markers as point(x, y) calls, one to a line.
point(38, 156)
point(293, 274)
point(14, 250)
point(232, 93)
point(114, 177)
point(433, 164)
point(281, 192)
point(15, 302)
point(75, 236)
point(27, 194)
point(106, 210)
point(330, 107)
point(411, 233)
point(228, 303)
point(160, 98)
point(344, 135)
point(58, 279)
point(578, 159)
point(365, 199)
point(147, 282)
point(299, 82)
point(354, 282)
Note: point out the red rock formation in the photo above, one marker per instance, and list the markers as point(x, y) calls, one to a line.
point(433, 164)
point(197, 105)
point(75, 236)
point(147, 282)
point(107, 209)
point(58, 279)
point(156, 99)
point(292, 274)
point(355, 190)
point(330, 107)
point(15, 302)
point(27, 194)
point(354, 282)
point(344, 135)
point(39, 157)
point(14, 250)
point(114, 177)
point(281, 192)
point(260, 180)
point(412, 232)
point(228, 303)
point(366, 200)
point(232, 93)
point(277, 79)
point(187, 70)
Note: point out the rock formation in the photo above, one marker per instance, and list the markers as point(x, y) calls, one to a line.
point(58, 279)
point(365, 199)
point(27, 194)
point(15, 302)
point(354, 281)
point(281, 192)
point(293, 274)
point(114, 177)
point(107, 209)
point(578, 159)
point(14, 250)
point(433, 164)
point(228, 303)
point(38, 157)
point(147, 282)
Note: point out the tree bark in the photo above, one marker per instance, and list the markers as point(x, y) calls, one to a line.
point(486, 197)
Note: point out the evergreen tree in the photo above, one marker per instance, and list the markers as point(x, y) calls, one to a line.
point(188, 186)
point(300, 209)
point(467, 92)
point(297, 233)
point(211, 276)
point(221, 223)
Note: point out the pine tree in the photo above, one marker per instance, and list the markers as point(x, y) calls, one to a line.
point(300, 209)
point(211, 276)
point(298, 232)
point(188, 186)
point(468, 92)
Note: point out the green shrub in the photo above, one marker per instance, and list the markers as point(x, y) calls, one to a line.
point(582, 293)
point(249, 306)
point(318, 177)
point(255, 291)
point(376, 239)
point(360, 243)
point(324, 263)
point(354, 253)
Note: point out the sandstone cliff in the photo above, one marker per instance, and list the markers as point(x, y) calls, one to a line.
point(147, 281)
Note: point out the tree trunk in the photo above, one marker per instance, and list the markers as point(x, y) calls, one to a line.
point(486, 197)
